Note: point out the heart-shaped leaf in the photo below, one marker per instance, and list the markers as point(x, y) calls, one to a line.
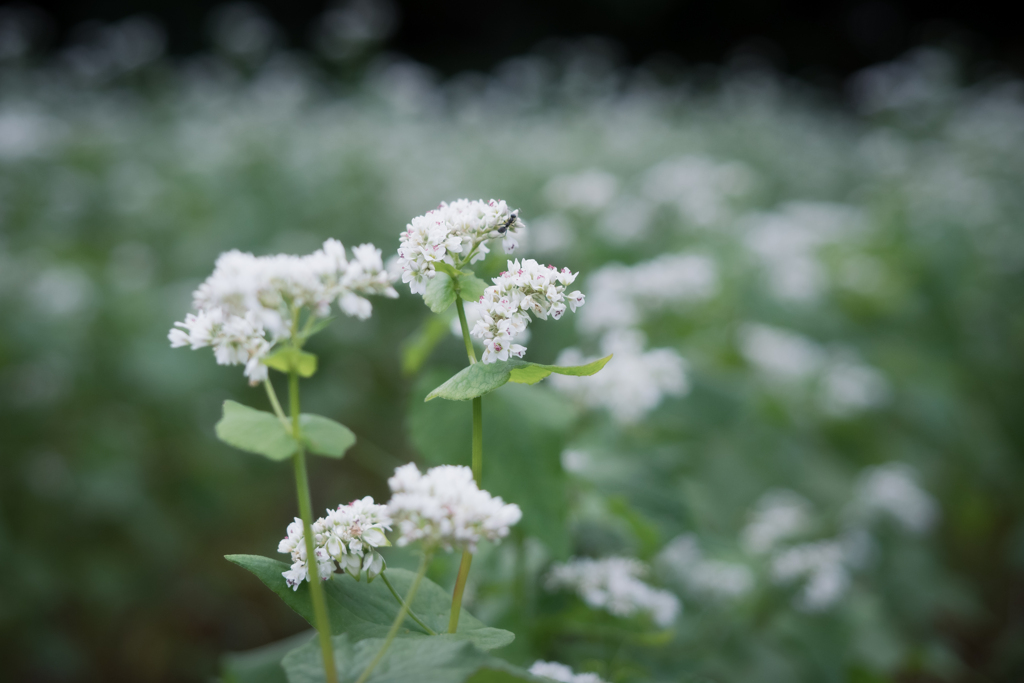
point(481, 378)
point(324, 436)
point(366, 610)
point(436, 659)
point(255, 431)
point(440, 292)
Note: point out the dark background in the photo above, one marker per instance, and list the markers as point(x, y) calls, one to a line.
point(820, 41)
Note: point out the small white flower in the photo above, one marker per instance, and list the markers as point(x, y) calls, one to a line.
point(453, 230)
point(347, 536)
point(247, 305)
point(614, 584)
point(526, 288)
point(444, 507)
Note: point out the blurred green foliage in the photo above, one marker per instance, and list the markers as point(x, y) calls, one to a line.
point(855, 300)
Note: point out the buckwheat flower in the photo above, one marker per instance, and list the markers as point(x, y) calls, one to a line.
point(892, 490)
point(823, 566)
point(347, 538)
point(613, 584)
point(526, 288)
point(778, 515)
point(562, 673)
point(236, 340)
point(249, 302)
point(682, 559)
point(455, 234)
point(294, 544)
point(634, 384)
point(444, 508)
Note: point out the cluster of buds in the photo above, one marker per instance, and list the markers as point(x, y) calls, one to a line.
point(445, 508)
point(526, 287)
point(345, 539)
point(455, 234)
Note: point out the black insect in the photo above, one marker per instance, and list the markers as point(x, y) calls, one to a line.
point(508, 224)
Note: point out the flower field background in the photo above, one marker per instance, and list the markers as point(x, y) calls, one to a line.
point(805, 456)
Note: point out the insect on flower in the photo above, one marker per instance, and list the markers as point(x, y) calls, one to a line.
point(509, 223)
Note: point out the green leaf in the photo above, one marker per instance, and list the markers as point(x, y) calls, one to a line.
point(471, 288)
point(531, 373)
point(480, 378)
point(254, 431)
point(289, 359)
point(472, 381)
point(324, 436)
point(440, 292)
point(524, 435)
point(366, 610)
point(435, 659)
point(263, 664)
point(421, 343)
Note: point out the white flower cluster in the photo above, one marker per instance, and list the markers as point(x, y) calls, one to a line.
point(778, 515)
point(682, 558)
point(634, 384)
point(613, 584)
point(846, 385)
point(445, 508)
point(345, 538)
point(822, 564)
point(248, 303)
point(620, 295)
point(892, 490)
point(562, 673)
point(456, 230)
point(526, 287)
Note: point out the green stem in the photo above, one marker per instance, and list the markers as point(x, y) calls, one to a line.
point(465, 329)
point(478, 440)
point(460, 588)
point(272, 395)
point(478, 473)
point(402, 612)
point(316, 589)
point(412, 615)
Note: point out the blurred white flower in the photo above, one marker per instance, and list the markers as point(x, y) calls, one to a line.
point(525, 288)
point(849, 386)
point(627, 219)
point(892, 490)
point(620, 295)
point(700, 188)
point(682, 558)
point(822, 565)
point(614, 584)
point(777, 516)
point(444, 508)
point(786, 242)
point(589, 190)
point(562, 673)
point(780, 354)
point(633, 383)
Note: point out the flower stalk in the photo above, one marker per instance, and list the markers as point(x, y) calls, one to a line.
point(478, 470)
point(399, 618)
point(316, 590)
